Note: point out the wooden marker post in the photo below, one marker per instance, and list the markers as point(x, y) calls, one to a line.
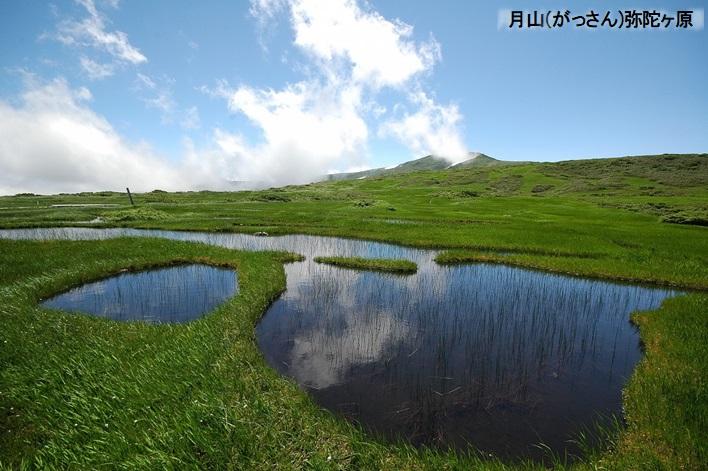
point(130, 196)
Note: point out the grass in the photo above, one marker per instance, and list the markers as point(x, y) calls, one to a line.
point(144, 213)
point(80, 392)
point(669, 430)
point(496, 209)
point(585, 265)
point(83, 393)
point(375, 264)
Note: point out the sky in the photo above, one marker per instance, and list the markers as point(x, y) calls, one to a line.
point(182, 95)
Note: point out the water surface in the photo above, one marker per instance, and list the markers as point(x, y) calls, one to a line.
point(174, 294)
point(493, 356)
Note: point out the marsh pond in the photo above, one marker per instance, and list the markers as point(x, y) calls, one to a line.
point(489, 356)
point(162, 295)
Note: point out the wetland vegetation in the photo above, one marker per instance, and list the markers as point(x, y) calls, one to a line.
point(84, 392)
point(375, 264)
point(171, 294)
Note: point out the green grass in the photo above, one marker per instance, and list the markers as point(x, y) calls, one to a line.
point(145, 213)
point(619, 211)
point(667, 399)
point(80, 392)
point(376, 264)
point(586, 265)
point(83, 393)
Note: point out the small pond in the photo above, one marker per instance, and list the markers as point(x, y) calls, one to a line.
point(174, 294)
point(492, 356)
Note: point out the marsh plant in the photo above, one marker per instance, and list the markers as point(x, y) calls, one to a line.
point(168, 294)
point(419, 358)
point(502, 358)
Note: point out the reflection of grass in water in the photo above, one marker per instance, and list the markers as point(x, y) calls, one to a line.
point(84, 391)
point(541, 343)
point(500, 334)
point(172, 294)
point(426, 426)
point(376, 264)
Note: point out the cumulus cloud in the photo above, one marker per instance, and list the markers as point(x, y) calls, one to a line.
point(381, 52)
point(143, 81)
point(51, 141)
point(91, 31)
point(163, 102)
point(322, 122)
point(430, 126)
point(306, 128)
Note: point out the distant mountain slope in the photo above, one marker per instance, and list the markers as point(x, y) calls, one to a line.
point(429, 162)
point(477, 159)
point(355, 175)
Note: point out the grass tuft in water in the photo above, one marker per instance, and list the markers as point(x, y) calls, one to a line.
point(375, 264)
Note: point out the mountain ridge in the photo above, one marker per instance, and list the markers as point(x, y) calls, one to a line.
point(429, 162)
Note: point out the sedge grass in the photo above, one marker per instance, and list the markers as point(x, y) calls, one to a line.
point(82, 392)
point(374, 264)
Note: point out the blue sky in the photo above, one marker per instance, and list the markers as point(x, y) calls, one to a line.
point(104, 94)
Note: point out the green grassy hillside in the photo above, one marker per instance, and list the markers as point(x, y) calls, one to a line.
point(429, 162)
point(482, 160)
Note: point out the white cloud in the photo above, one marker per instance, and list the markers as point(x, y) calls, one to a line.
point(306, 127)
point(95, 70)
point(320, 358)
point(320, 123)
point(431, 127)
point(91, 32)
point(51, 141)
point(380, 52)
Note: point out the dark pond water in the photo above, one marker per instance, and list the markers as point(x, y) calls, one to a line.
point(497, 357)
point(175, 294)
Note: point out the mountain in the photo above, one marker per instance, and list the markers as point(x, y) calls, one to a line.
point(429, 162)
point(477, 159)
point(355, 175)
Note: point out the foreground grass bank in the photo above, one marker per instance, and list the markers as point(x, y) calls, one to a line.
point(83, 393)
point(375, 264)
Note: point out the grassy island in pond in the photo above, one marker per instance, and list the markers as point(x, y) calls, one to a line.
point(374, 264)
